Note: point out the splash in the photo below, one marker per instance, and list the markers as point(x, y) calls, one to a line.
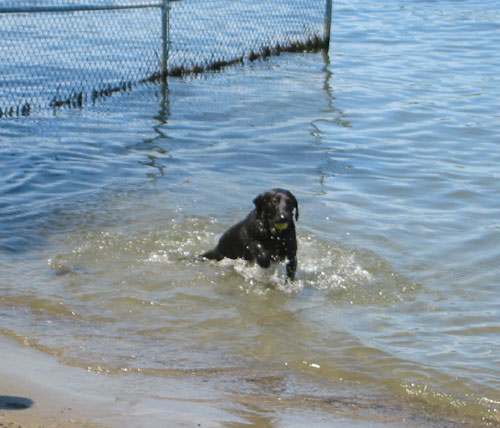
point(355, 276)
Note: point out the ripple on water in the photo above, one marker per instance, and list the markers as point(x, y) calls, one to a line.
point(143, 281)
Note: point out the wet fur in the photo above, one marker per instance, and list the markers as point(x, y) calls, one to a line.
point(257, 239)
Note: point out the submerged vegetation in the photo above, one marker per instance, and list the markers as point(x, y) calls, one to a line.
point(79, 99)
point(311, 44)
point(19, 110)
point(82, 97)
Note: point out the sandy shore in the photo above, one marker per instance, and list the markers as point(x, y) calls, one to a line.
point(36, 391)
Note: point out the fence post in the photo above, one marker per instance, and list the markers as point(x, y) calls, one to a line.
point(328, 24)
point(165, 36)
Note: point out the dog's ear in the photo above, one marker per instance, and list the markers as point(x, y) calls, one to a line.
point(295, 205)
point(259, 202)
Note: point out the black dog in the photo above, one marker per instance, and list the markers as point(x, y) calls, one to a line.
point(266, 235)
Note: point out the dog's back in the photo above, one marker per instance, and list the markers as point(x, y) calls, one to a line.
point(232, 243)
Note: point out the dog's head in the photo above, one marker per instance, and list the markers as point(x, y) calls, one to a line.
point(276, 209)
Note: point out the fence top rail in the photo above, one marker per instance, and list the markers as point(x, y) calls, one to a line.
point(76, 8)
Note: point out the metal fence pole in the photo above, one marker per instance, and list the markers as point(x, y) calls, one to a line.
point(328, 23)
point(165, 27)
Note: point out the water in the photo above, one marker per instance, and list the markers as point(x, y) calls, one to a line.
point(391, 147)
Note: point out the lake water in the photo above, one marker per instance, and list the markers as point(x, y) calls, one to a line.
point(391, 145)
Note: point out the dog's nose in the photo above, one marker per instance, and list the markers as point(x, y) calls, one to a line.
point(282, 217)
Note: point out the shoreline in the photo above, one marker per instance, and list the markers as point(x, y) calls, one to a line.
point(60, 396)
point(37, 391)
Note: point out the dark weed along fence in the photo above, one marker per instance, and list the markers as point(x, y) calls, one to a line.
point(68, 53)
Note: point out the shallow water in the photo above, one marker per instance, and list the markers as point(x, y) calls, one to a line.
point(390, 145)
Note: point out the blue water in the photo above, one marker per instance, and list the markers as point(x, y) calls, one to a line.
point(391, 146)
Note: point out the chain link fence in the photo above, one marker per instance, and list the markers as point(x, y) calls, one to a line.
point(65, 53)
